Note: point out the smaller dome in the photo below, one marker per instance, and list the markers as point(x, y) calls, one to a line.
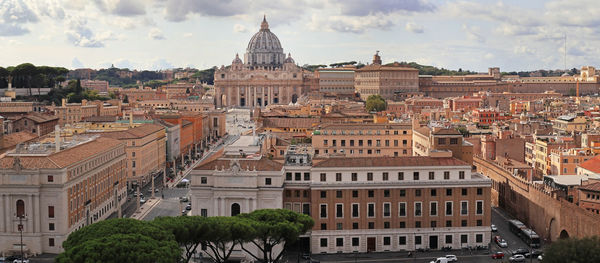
point(289, 59)
point(237, 60)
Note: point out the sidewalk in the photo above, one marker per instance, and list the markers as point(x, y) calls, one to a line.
point(146, 208)
point(209, 152)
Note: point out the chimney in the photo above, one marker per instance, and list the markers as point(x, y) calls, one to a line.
point(57, 138)
point(131, 119)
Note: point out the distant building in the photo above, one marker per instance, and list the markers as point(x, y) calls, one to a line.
point(385, 80)
point(336, 80)
point(36, 123)
point(101, 86)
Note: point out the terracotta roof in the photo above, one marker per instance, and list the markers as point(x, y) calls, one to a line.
point(390, 161)
point(100, 119)
point(365, 126)
point(290, 122)
point(12, 139)
point(592, 164)
point(591, 187)
point(63, 158)
point(137, 132)
point(447, 131)
point(262, 164)
point(423, 130)
point(39, 117)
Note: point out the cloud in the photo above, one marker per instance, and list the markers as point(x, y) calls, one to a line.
point(124, 63)
point(473, 33)
point(238, 28)
point(368, 7)
point(160, 63)
point(347, 24)
point(412, 27)
point(522, 50)
point(156, 34)
point(76, 63)
point(79, 34)
point(14, 14)
point(578, 13)
point(122, 7)
point(188, 34)
point(516, 30)
point(178, 10)
point(489, 56)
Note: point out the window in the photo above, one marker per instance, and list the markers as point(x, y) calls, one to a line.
point(400, 176)
point(50, 178)
point(370, 210)
point(463, 223)
point(306, 208)
point(387, 241)
point(371, 193)
point(355, 225)
point(386, 176)
point(479, 191)
point(464, 191)
point(441, 140)
point(402, 192)
point(204, 212)
point(51, 242)
point(339, 211)
point(448, 223)
point(479, 208)
point(386, 193)
point(402, 224)
point(449, 192)
point(323, 177)
point(453, 140)
point(235, 209)
point(355, 210)
point(417, 224)
point(288, 193)
point(306, 176)
point(418, 208)
point(417, 192)
point(416, 176)
point(479, 238)
point(369, 176)
point(479, 222)
point(431, 175)
point(449, 208)
point(355, 193)
point(464, 207)
point(386, 224)
point(418, 240)
point(446, 175)
point(323, 213)
point(51, 211)
point(402, 240)
point(323, 194)
point(20, 208)
point(297, 176)
point(371, 225)
point(433, 192)
point(464, 239)
point(267, 181)
point(203, 180)
point(433, 208)
point(433, 224)
point(323, 242)
point(355, 241)
point(339, 226)
point(354, 177)
point(51, 226)
point(288, 176)
point(448, 239)
point(338, 177)
point(461, 175)
point(338, 194)
point(402, 209)
point(323, 226)
point(386, 210)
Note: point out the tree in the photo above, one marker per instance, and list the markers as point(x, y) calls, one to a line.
point(223, 233)
point(25, 71)
point(573, 250)
point(189, 232)
point(375, 103)
point(274, 227)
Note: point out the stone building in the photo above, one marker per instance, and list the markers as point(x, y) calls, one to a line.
point(54, 189)
point(36, 123)
point(265, 77)
point(385, 80)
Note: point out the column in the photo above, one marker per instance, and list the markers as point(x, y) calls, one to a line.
point(7, 214)
point(223, 211)
point(29, 213)
point(238, 98)
point(215, 211)
point(38, 211)
point(4, 212)
point(247, 210)
point(254, 207)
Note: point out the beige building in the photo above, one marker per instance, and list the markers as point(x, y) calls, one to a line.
point(336, 80)
point(566, 161)
point(265, 76)
point(385, 80)
point(69, 113)
point(569, 124)
point(363, 140)
point(53, 190)
point(438, 141)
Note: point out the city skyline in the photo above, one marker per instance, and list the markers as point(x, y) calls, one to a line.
point(141, 34)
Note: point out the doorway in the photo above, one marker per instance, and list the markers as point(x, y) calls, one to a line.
point(371, 242)
point(433, 242)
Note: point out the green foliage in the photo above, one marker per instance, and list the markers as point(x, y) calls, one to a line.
point(375, 103)
point(74, 93)
point(126, 99)
point(188, 232)
point(313, 67)
point(341, 64)
point(224, 233)
point(207, 75)
point(276, 226)
point(29, 76)
point(120, 240)
point(573, 250)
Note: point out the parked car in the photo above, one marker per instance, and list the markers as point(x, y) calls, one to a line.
point(440, 260)
point(498, 255)
point(533, 253)
point(520, 251)
point(188, 207)
point(452, 258)
point(183, 199)
point(494, 228)
point(142, 200)
point(184, 212)
point(517, 258)
point(21, 261)
point(503, 243)
point(540, 257)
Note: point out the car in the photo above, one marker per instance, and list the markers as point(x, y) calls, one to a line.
point(533, 253)
point(520, 251)
point(184, 212)
point(306, 255)
point(21, 261)
point(452, 258)
point(540, 257)
point(517, 258)
point(494, 228)
point(188, 207)
point(156, 190)
point(142, 201)
point(503, 243)
point(440, 260)
point(498, 255)
point(183, 199)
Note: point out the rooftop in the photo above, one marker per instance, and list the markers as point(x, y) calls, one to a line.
point(411, 161)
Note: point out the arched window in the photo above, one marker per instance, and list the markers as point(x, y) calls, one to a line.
point(235, 209)
point(20, 208)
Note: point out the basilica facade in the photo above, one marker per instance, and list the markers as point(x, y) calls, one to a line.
point(266, 76)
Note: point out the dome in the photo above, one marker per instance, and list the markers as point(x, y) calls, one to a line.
point(237, 60)
point(264, 48)
point(289, 59)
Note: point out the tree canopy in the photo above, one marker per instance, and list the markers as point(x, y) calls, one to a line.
point(375, 103)
point(573, 250)
point(29, 76)
point(74, 93)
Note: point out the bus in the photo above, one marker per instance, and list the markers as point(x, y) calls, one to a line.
point(526, 234)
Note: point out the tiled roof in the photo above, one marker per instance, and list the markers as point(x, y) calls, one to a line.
point(591, 187)
point(137, 132)
point(63, 158)
point(411, 161)
point(365, 126)
point(423, 130)
point(100, 119)
point(262, 164)
point(592, 164)
point(39, 117)
point(290, 122)
point(12, 139)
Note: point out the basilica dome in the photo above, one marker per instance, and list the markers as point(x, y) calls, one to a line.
point(264, 48)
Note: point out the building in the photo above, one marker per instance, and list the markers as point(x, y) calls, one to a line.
point(566, 161)
point(364, 140)
point(568, 124)
point(385, 80)
point(537, 152)
point(265, 76)
point(54, 189)
point(438, 141)
point(336, 80)
point(101, 86)
point(69, 113)
point(589, 195)
point(36, 123)
point(15, 108)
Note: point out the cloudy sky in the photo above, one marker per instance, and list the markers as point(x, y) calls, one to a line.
point(158, 34)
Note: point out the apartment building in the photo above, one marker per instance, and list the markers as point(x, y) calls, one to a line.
point(566, 161)
point(54, 189)
point(69, 113)
point(537, 152)
point(439, 141)
point(363, 140)
point(568, 124)
point(336, 80)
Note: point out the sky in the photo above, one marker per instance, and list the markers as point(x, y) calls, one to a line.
point(159, 34)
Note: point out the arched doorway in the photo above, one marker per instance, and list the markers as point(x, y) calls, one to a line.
point(235, 209)
point(563, 234)
point(20, 208)
point(294, 98)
